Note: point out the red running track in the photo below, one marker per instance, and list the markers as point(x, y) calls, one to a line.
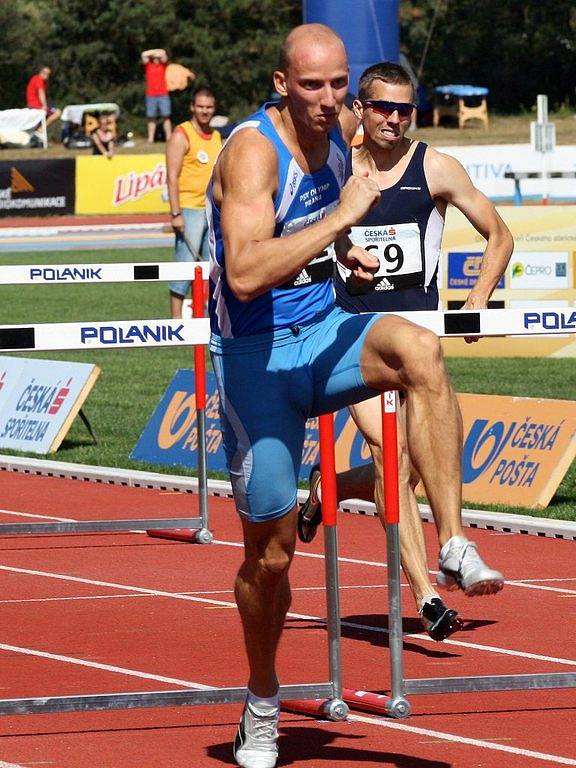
point(118, 612)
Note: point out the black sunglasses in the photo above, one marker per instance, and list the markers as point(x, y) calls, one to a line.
point(386, 108)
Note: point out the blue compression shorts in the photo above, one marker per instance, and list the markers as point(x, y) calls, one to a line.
point(269, 385)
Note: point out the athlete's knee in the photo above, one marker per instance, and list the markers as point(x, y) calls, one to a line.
point(274, 564)
point(422, 357)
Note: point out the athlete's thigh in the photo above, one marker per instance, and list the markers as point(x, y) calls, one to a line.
point(335, 361)
point(263, 430)
point(392, 346)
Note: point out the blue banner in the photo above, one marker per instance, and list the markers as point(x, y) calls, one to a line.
point(171, 435)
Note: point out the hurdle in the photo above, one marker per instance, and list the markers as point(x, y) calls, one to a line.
point(492, 322)
point(326, 697)
point(17, 338)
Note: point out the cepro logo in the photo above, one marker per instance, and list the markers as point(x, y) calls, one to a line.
point(517, 269)
point(18, 182)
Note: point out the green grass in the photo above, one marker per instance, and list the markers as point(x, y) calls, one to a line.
point(133, 381)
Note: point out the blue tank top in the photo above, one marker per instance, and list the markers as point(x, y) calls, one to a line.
point(404, 231)
point(301, 200)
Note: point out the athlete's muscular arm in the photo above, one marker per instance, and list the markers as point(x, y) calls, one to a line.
point(245, 185)
point(449, 181)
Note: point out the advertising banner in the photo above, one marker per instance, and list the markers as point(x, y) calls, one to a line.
point(123, 184)
point(171, 437)
point(39, 400)
point(516, 450)
point(541, 272)
point(37, 187)
point(487, 164)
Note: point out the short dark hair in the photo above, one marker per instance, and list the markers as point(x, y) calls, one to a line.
point(202, 90)
point(386, 72)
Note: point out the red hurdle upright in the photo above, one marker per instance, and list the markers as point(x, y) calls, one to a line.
point(202, 535)
point(396, 705)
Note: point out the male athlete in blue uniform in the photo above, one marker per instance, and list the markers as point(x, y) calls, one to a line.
point(283, 352)
point(405, 231)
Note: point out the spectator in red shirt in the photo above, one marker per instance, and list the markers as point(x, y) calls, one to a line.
point(155, 62)
point(37, 95)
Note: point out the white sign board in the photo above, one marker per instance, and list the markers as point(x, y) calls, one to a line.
point(487, 164)
point(39, 400)
point(538, 270)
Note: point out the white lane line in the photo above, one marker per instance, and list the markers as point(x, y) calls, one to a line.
point(11, 765)
point(38, 517)
point(305, 617)
point(526, 583)
point(354, 561)
point(395, 725)
point(199, 592)
point(102, 667)
point(542, 588)
point(353, 717)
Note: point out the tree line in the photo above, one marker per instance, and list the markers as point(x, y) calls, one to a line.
point(516, 48)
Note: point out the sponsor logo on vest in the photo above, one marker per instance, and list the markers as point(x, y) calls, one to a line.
point(110, 334)
point(384, 285)
point(303, 278)
point(416, 189)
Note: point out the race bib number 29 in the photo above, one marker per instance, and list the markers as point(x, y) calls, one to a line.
point(398, 250)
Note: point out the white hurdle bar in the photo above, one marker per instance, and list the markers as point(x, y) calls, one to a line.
point(126, 334)
point(74, 274)
point(65, 336)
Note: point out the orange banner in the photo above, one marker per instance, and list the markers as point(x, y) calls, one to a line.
point(516, 449)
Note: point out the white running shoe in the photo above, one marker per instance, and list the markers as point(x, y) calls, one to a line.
point(461, 567)
point(256, 740)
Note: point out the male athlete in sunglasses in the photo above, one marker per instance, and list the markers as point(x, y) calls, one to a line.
point(404, 232)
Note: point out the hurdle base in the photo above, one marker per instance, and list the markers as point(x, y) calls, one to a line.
point(188, 536)
point(377, 703)
point(323, 709)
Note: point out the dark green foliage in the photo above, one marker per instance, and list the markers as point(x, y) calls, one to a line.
point(517, 48)
point(94, 48)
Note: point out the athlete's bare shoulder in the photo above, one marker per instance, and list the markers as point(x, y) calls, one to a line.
point(444, 173)
point(247, 162)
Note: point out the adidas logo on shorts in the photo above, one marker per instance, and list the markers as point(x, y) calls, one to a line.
point(384, 285)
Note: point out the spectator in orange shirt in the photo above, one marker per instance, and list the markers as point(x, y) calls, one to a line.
point(158, 103)
point(37, 95)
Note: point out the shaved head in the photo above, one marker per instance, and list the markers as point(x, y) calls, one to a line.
point(303, 38)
